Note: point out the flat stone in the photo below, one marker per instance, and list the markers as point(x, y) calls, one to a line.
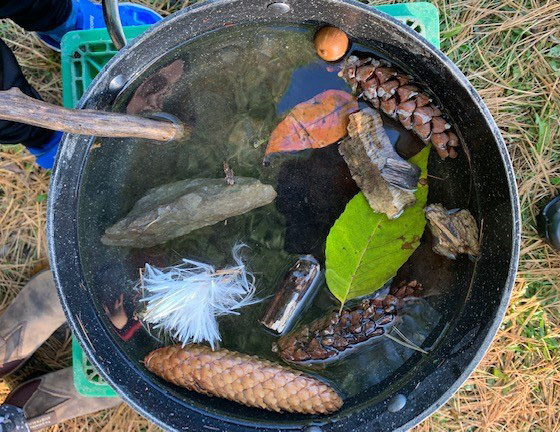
point(176, 209)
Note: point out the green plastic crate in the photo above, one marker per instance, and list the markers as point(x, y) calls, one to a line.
point(87, 380)
point(85, 52)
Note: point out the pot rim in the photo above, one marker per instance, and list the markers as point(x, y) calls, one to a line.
point(63, 235)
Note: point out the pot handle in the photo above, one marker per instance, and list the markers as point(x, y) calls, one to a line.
point(113, 22)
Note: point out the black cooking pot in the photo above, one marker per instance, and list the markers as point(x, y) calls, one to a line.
point(481, 179)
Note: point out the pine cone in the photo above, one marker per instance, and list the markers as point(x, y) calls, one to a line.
point(397, 96)
point(244, 379)
point(327, 339)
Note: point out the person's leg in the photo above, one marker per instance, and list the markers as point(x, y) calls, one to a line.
point(41, 142)
point(36, 15)
point(84, 14)
point(29, 321)
point(51, 399)
point(52, 19)
point(33, 15)
point(57, 17)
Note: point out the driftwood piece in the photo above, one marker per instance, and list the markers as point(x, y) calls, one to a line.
point(387, 180)
point(18, 107)
point(294, 295)
point(454, 232)
point(178, 208)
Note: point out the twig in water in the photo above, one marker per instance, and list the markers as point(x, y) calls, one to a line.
point(406, 343)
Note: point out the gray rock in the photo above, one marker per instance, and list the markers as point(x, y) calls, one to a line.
point(176, 209)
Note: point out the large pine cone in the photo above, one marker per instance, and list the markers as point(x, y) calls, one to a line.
point(394, 93)
point(241, 378)
point(329, 338)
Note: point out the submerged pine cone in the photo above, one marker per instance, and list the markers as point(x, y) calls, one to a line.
point(244, 379)
point(394, 93)
point(329, 338)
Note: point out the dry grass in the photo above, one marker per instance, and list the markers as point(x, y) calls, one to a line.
point(509, 51)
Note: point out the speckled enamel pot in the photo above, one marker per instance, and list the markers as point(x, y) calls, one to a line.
point(409, 398)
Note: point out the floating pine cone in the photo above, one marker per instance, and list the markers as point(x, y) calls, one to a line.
point(397, 96)
point(329, 338)
point(244, 379)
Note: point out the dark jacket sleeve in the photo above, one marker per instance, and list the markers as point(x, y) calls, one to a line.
point(11, 132)
point(36, 15)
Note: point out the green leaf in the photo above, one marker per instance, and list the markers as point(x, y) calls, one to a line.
point(365, 249)
point(41, 197)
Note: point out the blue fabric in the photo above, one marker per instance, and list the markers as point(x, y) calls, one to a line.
point(87, 15)
point(44, 157)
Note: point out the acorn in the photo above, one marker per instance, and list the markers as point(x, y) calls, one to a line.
point(331, 43)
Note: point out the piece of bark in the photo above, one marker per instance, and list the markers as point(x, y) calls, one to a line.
point(387, 180)
point(294, 295)
point(178, 208)
point(454, 232)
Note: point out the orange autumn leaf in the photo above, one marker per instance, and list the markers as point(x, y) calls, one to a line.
point(315, 123)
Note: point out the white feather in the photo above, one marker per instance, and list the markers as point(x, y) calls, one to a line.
point(185, 300)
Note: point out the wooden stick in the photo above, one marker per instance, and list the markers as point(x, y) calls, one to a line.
point(18, 107)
